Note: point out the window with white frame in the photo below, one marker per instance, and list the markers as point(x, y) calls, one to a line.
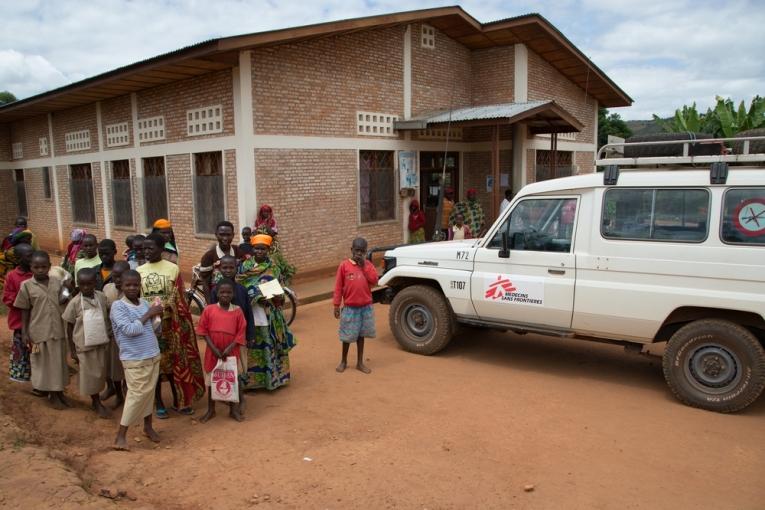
point(44, 150)
point(21, 193)
point(203, 121)
point(77, 140)
point(83, 199)
point(46, 182)
point(154, 189)
point(428, 38)
point(122, 199)
point(375, 124)
point(455, 133)
point(18, 150)
point(117, 135)
point(151, 129)
point(377, 199)
point(209, 200)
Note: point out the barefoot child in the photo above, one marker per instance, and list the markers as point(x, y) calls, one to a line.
point(114, 373)
point(228, 268)
point(43, 330)
point(139, 352)
point(89, 331)
point(18, 367)
point(355, 278)
point(223, 326)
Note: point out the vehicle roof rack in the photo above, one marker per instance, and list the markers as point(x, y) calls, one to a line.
point(718, 164)
point(744, 157)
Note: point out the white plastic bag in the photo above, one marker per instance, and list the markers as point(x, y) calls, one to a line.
point(224, 381)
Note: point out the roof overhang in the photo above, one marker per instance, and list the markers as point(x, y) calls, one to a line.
point(539, 116)
point(532, 30)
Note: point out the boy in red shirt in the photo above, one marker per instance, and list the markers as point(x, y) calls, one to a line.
point(355, 278)
point(20, 368)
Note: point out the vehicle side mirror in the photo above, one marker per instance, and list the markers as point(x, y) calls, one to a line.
point(504, 253)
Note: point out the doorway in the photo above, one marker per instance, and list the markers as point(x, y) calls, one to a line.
point(431, 168)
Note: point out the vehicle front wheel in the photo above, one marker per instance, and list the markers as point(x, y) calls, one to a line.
point(715, 365)
point(421, 319)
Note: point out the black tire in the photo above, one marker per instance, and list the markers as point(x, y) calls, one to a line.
point(290, 306)
point(701, 149)
point(196, 303)
point(715, 365)
point(755, 146)
point(421, 320)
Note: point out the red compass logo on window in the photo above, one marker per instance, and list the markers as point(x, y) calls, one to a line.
point(749, 217)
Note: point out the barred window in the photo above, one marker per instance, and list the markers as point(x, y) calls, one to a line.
point(122, 196)
point(562, 167)
point(83, 200)
point(209, 197)
point(21, 193)
point(377, 200)
point(154, 189)
point(46, 182)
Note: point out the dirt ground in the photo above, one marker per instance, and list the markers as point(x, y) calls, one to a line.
point(587, 425)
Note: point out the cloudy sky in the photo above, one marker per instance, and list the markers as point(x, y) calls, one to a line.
point(663, 53)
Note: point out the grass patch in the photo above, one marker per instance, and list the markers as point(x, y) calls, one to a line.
point(18, 444)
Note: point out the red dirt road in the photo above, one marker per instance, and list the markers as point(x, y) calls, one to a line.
point(588, 425)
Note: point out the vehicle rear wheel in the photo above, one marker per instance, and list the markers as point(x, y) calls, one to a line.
point(715, 365)
point(421, 319)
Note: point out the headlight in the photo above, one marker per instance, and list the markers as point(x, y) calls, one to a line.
point(388, 263)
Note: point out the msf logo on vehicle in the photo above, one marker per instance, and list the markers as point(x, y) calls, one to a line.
point(499, 288)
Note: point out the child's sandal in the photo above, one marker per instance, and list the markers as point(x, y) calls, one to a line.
point(162, 413)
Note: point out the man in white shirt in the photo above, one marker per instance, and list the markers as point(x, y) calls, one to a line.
point(506, 202)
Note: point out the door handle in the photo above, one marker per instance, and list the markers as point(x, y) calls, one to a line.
point(556, 271)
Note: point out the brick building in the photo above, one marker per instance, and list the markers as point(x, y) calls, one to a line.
point(312, 120)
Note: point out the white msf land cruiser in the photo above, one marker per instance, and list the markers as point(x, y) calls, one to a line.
point(670, 250)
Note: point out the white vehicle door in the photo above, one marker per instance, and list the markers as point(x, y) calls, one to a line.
point(535, 284)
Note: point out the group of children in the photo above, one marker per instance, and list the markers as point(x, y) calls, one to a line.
point(114, 335)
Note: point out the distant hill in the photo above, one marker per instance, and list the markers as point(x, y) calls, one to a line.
point(643, 127)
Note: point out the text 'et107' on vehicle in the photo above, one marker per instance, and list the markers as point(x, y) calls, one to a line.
point(646, 250)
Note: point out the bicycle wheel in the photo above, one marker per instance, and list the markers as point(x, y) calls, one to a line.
point(290, 306)
point(196, 302)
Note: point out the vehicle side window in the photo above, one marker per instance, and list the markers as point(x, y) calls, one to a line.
point(678, 215)
point(743, 216)
point(539, 224)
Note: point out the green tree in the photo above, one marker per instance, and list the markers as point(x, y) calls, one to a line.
point(724, 120)
point(611, 124)
point(6, 97)
point(685, 120)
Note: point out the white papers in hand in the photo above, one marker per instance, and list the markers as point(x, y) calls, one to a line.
point(270, 289)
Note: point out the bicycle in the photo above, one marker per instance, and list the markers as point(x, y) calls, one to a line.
point(197, 301)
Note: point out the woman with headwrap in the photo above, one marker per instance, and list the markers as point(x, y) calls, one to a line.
point(416, 223)
point(268, 362)
point(265, 223)
point(20, 234)
point(164, 228)
point(73, 249)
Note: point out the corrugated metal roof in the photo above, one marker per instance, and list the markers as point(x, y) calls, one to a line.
point(492, 111)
